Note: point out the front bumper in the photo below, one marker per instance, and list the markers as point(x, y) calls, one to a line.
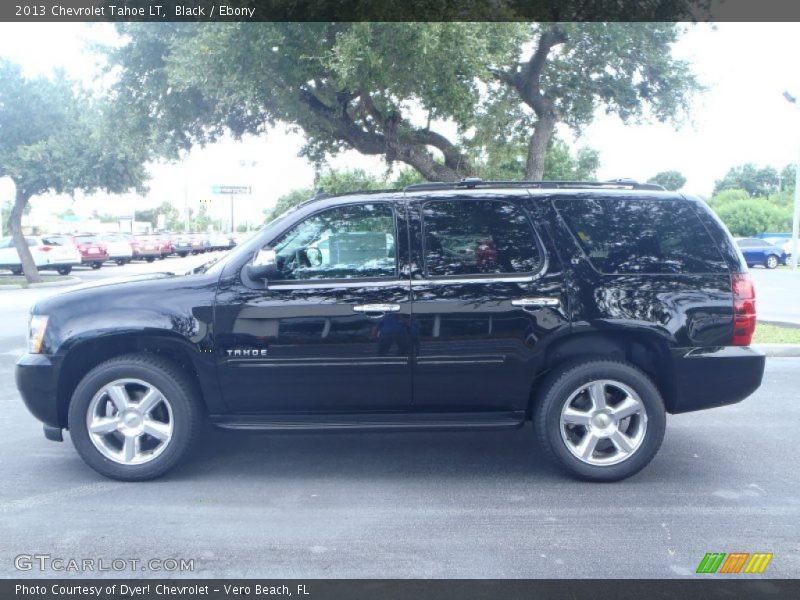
point(717, 376)
point(37, 381)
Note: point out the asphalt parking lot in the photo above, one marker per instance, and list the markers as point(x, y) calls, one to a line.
point(408, 505)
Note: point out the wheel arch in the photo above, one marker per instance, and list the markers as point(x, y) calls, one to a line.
point(646, 351)
point(85, 355)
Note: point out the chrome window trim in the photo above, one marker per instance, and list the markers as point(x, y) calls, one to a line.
point(329, 284)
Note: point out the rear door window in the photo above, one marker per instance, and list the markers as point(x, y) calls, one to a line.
point(477, 237)
point(630, 235)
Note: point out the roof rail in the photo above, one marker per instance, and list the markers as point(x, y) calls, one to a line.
point(474, 182)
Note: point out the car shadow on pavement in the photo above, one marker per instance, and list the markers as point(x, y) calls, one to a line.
point(354, 455)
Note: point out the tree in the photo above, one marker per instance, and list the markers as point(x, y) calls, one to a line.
point(748, 177)
point(55, 137)
point(788, 177)
point(329, 182)
point(564, 72)
point(172, 216)
point(509, 163)
point(383, 88)
point(751, 216)
point(669, 180)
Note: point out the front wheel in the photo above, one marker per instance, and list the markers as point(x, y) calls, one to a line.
point(601, 420)
point(771, 262)
point(97, 265)
point(134, 417)
point(64, 270)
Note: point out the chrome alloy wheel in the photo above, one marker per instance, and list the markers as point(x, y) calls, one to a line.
point(603, 422)
point(129, 421)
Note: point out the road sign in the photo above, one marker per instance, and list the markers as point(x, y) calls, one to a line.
point(230, 190)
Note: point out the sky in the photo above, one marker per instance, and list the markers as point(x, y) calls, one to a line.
point(741, 117)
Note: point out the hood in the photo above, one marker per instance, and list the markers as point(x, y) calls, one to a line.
point(135, 293)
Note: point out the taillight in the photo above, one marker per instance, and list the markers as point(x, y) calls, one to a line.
point(744, 309)
point(46, 248)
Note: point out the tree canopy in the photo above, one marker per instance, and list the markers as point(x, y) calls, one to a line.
point(752, 179)
point(55, 137)
point(386, 88)
point(669, 180)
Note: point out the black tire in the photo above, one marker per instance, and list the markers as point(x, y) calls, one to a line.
point(772, 261)
point(557, 388)
point(96, 265)
point(174, 384)
point(64, 270)
point(16, 271)
point(150, 258)
point(182, 254)
point(120, 262)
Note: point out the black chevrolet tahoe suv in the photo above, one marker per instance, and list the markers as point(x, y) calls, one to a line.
point(590, 309)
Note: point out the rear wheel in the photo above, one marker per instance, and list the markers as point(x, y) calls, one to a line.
point(120, 261)
point(150, 258)
point(64, 270)
point(771, 262)
point(601, 420)
point(96, 265)
point(134, 417)
point(16, 271)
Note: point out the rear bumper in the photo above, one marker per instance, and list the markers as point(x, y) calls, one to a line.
point(37, 381)
point(93, 258)
point(717, 376)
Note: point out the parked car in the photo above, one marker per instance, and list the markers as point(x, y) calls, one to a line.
point(93, 251)
point(149, 247)
point(165, 238)
point(198, 243)
point(182, 245)
point(761, 252)
point(119, 246)
point(591, 309)
point(219, 241)
point(48, 253)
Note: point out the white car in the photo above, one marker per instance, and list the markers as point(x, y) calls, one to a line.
point(119, 247)
point(48, 253)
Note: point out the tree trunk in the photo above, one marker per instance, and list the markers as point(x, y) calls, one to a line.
point(537, 146)
point(15, 223)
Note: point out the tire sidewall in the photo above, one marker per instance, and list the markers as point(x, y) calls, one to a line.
point(561, 387)
point(180, 405)
point(772, 259)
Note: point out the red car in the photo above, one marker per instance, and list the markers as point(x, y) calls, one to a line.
point(93, 251)
point(148, 247)
point(166, 243)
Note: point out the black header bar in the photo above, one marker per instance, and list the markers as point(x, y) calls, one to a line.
point(705, 587)
point(398, 10)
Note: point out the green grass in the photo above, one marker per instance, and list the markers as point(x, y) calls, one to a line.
point(768, 333)
point(14, 280)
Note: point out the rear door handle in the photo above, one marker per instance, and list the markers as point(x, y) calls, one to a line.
point(376, 308)
point(535, 302)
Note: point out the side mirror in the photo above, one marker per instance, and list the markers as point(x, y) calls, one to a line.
point(264, 265)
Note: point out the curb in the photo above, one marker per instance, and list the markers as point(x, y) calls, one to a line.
point(12, 286)
point(779, 350)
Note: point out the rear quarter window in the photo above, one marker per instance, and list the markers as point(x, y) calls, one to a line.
point(641, 235)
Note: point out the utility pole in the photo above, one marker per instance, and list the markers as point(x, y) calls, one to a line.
point(796, 215)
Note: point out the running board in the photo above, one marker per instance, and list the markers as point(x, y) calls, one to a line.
point(372, 422)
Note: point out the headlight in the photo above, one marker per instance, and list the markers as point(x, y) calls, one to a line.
point(36, 327)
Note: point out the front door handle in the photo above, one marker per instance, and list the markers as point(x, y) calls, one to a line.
point(376, 308)
point(535, 302)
